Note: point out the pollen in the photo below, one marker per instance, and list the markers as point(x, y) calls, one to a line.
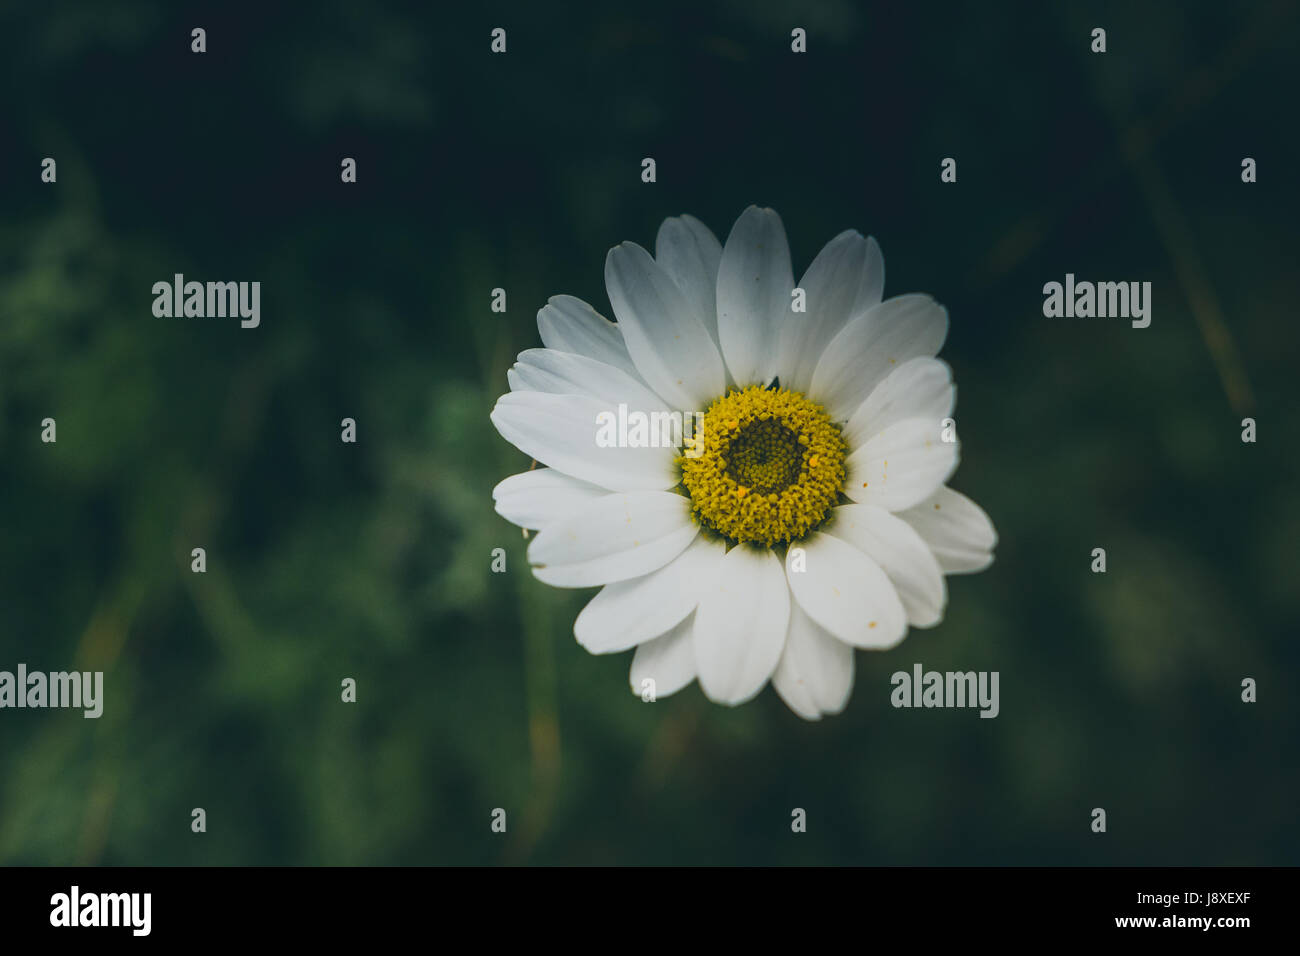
point(771, 468)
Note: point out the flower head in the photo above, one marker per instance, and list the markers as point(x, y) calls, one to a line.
point(753, 471)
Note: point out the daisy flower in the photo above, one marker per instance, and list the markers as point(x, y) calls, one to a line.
point(801, 511)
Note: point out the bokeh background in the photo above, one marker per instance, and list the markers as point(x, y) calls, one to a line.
point(371, 560)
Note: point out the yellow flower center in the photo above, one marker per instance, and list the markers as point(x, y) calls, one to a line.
point(769, 468)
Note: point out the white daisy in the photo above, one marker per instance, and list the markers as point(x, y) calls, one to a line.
point(811, 518)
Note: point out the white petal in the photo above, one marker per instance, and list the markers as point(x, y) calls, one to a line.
point(561, 431)
point(665, 333)
point(533, 499)
point(740, 625)
point(614, 538)
point(567, 324)
point(689, 252)
point(903, 465)
point(957, 530)
point(894, 545)
point(669, 661)
point(872, 345)
point(626, 613)
point(529, 379)
point(919, 388)
point(844, 280)
point(566, 373)
point(754, 283)
point(846, 592)
point(815, 674)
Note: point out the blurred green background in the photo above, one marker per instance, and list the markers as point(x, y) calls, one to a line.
point(371, 560)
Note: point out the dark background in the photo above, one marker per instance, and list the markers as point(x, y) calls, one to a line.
point(371, 560)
